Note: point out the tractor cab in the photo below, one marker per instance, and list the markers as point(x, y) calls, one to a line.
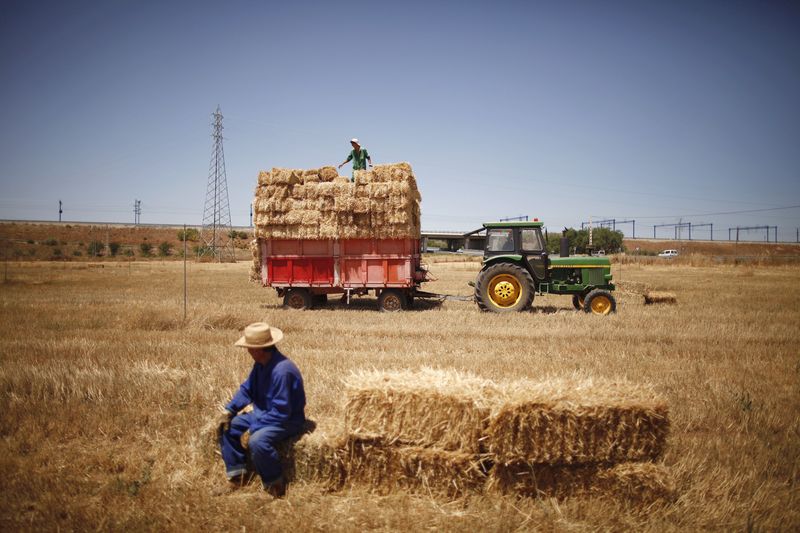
point(520, 242)
point(516, 266)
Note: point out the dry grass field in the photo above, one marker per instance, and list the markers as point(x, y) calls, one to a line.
point(105, 393)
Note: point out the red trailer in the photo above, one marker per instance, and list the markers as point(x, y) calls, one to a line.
point(305, 272)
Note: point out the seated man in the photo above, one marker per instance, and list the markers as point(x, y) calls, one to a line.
point(275, 389)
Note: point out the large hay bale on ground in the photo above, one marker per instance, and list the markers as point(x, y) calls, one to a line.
point(659, 297)
point(374, 462)
point(435, 408)
point(637, 482)
point(578, 421)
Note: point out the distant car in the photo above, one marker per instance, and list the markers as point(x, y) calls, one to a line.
point(669, 254)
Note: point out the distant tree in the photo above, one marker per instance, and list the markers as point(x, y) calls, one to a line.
point(77, 253)
point(56, 252)
point(164, 249)
point(606, 239)
point(232, 234)
point(113, 248)
point(95, 248)
point(244, 235)
point(146, 249)
point(128, 252)
point(602, 239)
point(191, 234)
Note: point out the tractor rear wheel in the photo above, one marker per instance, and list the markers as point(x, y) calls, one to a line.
point(504, 288)
point(297, 299)
point(391, 301)
point(600, 302)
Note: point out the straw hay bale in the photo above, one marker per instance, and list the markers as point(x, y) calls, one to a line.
point(298, 191)
point(328, 174)
point(315, 457)
point(578, 421)
point(286, 176)
point(637, 482)
point(255, 267)
point(264, 178)
point(659, 297)
point(441, 408)
point(372, 462)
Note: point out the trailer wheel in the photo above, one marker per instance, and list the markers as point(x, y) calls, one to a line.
point(600, 302)
point(391, 301)
point(503, 288)
point(297, 299)
point(578, 301)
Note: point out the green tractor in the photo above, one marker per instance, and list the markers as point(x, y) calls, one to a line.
point(516, 266)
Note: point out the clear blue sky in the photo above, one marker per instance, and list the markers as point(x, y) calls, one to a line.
point(659, 111)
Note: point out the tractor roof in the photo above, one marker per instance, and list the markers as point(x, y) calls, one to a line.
point(518, 224)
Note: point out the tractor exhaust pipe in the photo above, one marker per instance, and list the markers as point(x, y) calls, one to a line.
point(564, 247)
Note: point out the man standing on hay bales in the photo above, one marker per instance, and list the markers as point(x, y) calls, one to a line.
point(359, 156)
point(275, 390)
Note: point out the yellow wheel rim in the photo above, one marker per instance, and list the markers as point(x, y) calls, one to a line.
point(504, 290)
point(601, 305)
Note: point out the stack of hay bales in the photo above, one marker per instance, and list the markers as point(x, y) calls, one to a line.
point(565, 437)
point(447, 433)
point(381, 203)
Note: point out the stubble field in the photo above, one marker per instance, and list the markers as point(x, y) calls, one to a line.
point(106, 390)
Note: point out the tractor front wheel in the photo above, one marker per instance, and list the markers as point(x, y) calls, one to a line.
point(600, 302)
point(297, 299)
point(504, 288)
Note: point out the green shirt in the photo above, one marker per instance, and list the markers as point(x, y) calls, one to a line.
point(359, 159)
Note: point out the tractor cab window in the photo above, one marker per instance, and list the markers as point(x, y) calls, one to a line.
point(500, 240)
point(532, 240)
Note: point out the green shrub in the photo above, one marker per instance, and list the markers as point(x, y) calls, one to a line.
point(95, 248)
point(128, 252)
point(30, 241)
point(164, 249)
point(57, 252)
point(50, 242)
point(146, 249)
point(77, 253)
point(190, 234)
point(113, 248)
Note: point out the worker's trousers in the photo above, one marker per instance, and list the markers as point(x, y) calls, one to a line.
point(262, 449)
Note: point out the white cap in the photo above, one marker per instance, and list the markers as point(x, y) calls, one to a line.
point(354, 140)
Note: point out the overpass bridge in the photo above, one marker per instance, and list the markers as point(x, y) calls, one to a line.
point(454, 240)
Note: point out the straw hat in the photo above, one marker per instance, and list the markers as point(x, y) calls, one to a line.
point(260, 335)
